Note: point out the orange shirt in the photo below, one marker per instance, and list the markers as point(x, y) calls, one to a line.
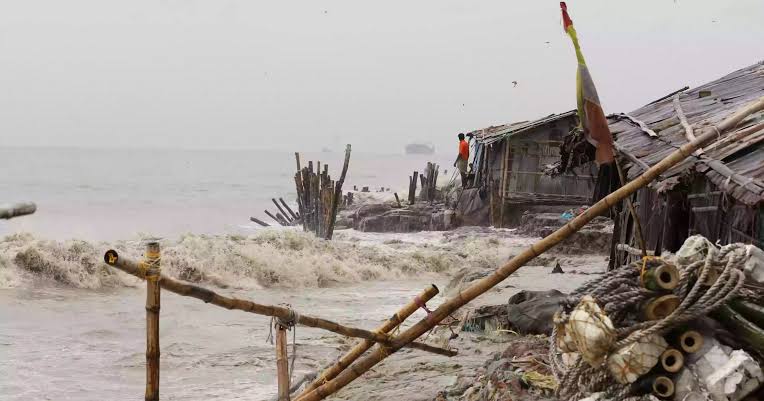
point(464, 150)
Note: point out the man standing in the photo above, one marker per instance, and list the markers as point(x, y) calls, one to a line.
point(462, 158)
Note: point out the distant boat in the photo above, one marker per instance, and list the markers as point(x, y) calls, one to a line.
point(419, 149)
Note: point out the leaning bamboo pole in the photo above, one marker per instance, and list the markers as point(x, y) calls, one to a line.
point(112, 258)
point(153, 273)
point(10, 211)
point(395, 320)
point(488, 282)
point(337, 195)
point(282, 364)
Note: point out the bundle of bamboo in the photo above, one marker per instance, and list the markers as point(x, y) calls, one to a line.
point(318, 197)
point(429, 180)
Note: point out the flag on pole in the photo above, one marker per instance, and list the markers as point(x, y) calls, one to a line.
point(590, 115)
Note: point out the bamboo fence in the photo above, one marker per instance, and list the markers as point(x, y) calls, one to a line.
point(138, 269)
point(709, 133)
point(395, 320)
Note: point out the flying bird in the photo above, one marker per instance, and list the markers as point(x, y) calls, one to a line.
point(514, 84)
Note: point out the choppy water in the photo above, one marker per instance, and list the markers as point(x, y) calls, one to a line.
point(74, 329)
point(99, 194)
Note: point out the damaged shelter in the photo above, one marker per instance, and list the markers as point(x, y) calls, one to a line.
point(509, 172)
point(716, 193)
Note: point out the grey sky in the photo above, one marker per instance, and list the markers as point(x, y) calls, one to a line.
point(296, 75)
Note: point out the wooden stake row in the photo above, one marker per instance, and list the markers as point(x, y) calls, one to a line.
point(319, 197)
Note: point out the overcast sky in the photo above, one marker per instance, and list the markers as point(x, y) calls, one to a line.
point(301, 75)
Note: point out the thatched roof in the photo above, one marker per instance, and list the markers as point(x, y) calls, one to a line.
point(493, 134)
point(735, 163)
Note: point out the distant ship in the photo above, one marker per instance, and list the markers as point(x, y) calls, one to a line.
point(419, 149)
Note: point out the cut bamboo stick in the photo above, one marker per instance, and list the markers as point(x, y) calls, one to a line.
point(282, 363)
point(112, 258)
point(338, 193)
point(260, 222)
point(286, 216)
point(10, 211)
point(291, 212)
point(481, 286)
point(152, 273)
point(276, 219)
point(347, 359)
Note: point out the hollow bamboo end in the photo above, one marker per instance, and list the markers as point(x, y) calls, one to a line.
point(691, 341)
point(672, 360)
point(111, 257)
point(667, 277)
point(660, 307)
point(663, 386)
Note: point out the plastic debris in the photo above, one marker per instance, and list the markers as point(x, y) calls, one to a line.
point(754, 264)
point(737, 378)
point(694, 249)
point(719, 373)
point(627, 364)
point(591, 330)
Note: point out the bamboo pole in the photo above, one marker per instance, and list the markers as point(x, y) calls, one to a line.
point(282, 363)
point(297, 159)
point(153, 274)
point(283, 212)
point(395, 320)
point(637, 224)
point(260, 222)
point(276, 219)
point(481, 286)
point(291, 212)
point(338, 193)
point(112, 258)
point(10, 211)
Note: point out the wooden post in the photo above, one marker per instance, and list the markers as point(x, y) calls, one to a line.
point(16, 210)
point(283, 213)
point(282, 363)
point(482, 285)
point(260, 222)
point(294, 216)
point(153, 274)
point(276, 219)
point(338, 193)
point(397, 200)
point(297, 159)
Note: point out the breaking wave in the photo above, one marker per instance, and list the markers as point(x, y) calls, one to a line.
point(269, 258)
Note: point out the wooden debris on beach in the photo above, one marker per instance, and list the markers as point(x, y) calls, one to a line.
point(412, 187)
point(319, 197)
point(9, 211)
point(429, 182)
